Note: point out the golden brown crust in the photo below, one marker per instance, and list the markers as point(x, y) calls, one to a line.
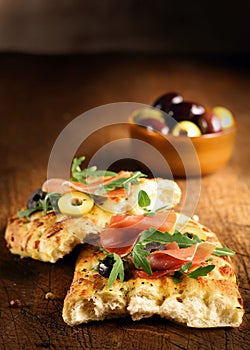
point(49, 237)
point(210, 301)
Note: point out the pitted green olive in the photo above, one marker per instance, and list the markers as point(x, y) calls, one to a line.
point(226, 117)
point(186, 128)
point(75, 203)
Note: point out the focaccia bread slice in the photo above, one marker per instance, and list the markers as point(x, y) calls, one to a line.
point(50, 237)
point(210, 301)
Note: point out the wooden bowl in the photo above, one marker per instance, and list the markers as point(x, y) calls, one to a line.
point(185, 156)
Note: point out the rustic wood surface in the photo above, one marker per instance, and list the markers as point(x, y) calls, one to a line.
point(39, 96)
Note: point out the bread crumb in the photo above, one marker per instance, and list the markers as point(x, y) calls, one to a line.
point(195, 217)
point(50, 296)
point(15, 303)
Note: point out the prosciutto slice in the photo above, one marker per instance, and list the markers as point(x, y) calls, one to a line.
point(62, 186)
point(162, 221)
point(173, 259)
point(93, 186)
point(124, 231)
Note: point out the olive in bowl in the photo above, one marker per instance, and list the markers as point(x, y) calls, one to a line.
point(201, 154)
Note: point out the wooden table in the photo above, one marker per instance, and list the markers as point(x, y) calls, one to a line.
point(39, 96)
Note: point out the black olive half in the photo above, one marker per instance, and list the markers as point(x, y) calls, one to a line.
point(153, 246)
point(105, 266)
point(34, 198)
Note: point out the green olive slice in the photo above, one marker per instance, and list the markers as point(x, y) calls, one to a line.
point(186, 128)
point(75, 203)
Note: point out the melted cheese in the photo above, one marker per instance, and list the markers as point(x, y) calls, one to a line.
point(162, 193)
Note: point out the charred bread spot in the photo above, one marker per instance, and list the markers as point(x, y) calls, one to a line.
point(50, 214)
point(240, 301)
point(226, 270)
point(36, 244)
point(58, 226)
point(226, 258)
point(98, 282)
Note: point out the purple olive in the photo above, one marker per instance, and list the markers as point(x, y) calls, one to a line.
point(155, 124)
point(165, 101)
point(209, 123)
point(35, 197)
point(186, 111)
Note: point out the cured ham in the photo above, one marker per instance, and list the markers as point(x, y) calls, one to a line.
point(119, 240)
point(62, 186)
point(162, 221)
point(123, 232)
point(93, 187)
point(173, 259)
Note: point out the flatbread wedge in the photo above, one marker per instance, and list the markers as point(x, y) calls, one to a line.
point(49, 237)
point(208, 301)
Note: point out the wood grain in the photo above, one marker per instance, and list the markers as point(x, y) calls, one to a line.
point(39, 97)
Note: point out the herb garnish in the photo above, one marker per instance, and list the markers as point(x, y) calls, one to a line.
point(117, 270)
point(121, 182)
point(223, 251)
point(143, 199)
point(80, 175)
point(153, 235)
point(48, 203)
point(139, 255)
point(200, 271)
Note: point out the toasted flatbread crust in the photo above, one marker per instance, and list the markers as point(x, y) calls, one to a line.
point(211, 301)
point(50, 237)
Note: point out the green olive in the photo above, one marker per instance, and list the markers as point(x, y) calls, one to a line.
point(186, 128)
point(148, 112)
point(226, 117)
point(75, 203)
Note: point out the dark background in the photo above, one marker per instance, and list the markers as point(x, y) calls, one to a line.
point(155, 26)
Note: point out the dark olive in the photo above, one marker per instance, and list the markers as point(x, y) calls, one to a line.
point(209, 123)
point(105, 266)
point(155, 124)
point(165, 101)
point(186, 111)
point(128, 269)
point(35, 197)
point(153, 246)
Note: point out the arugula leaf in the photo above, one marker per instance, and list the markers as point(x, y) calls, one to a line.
point(143, 199)
point(153, 235)
point(223, 251)
point(139, 256)
point(117, 270)
point(121, 182)
point(185, 267)
point(201, 271)
point(27, 212)
point(80, 175)
point(177, 275)
point(76, 165)
point(48, 203)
